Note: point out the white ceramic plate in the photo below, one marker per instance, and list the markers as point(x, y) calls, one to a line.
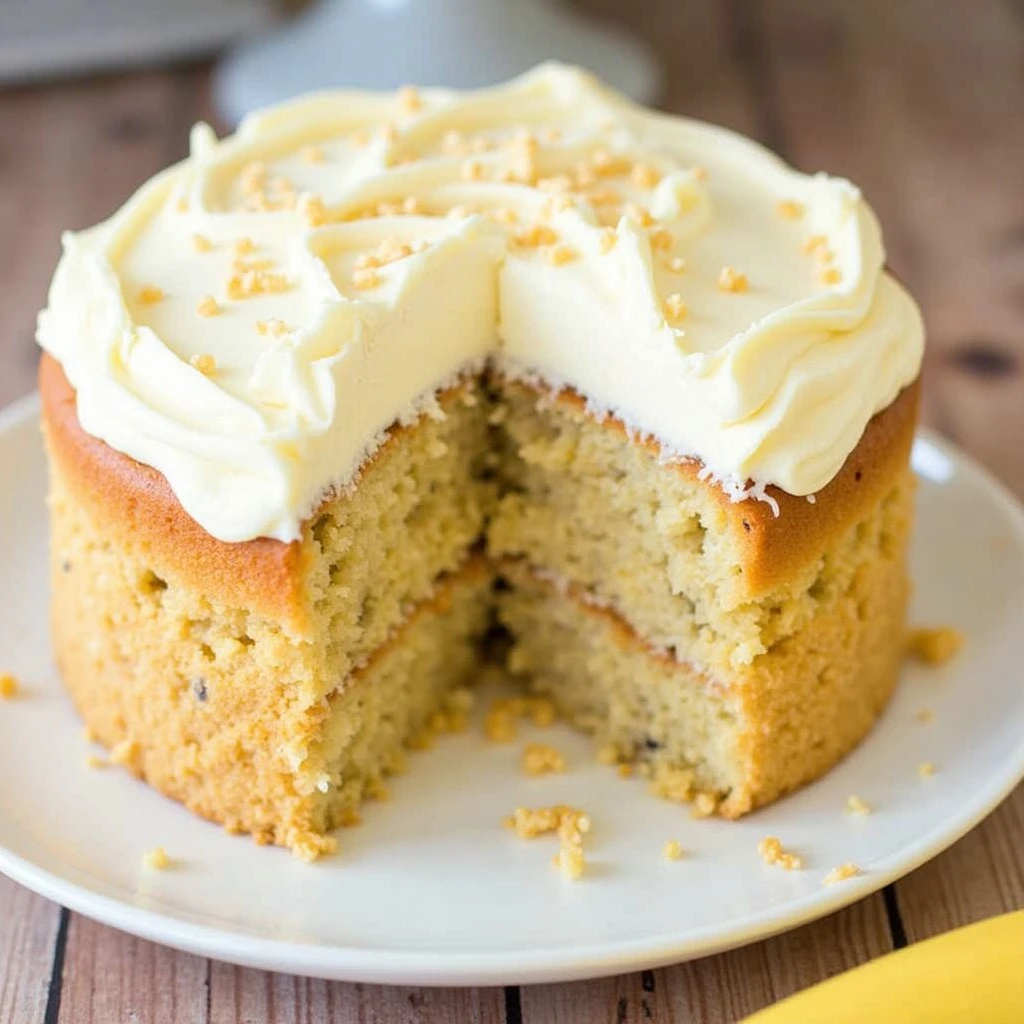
point(431, 889)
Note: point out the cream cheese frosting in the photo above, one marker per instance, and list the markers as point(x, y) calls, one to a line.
point(255, 318)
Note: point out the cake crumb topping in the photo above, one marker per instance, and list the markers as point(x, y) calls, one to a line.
point(676, 264)
point(731, 280)
point(830, 275)
point(841, 873)
point(854, 805)
point(789, 209)
point(771, 852)
point(8, 686)
point(204, 363)
point(675, 307)
point(607, 239)
point(201, 243)
point(541, 759)
point(156, 859)
point(149, 294)
point(208, 306)
point(934, 645)
point(559, 255)
point(672, 850)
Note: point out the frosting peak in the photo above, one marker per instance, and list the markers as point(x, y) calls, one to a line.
point(254, 318)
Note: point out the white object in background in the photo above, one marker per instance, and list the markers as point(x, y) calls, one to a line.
point(462, 44)
point(41, 38)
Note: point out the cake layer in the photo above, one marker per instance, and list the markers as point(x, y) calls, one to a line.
point(741, 736)
point(220, 708)
point(419, 507)
point(717, 582)
point(254, 317)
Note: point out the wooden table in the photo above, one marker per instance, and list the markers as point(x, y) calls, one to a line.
point(920, 103)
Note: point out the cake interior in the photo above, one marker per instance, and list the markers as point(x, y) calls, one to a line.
point(616, 578)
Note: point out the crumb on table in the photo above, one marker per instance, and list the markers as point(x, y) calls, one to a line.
point(570, 823)
point(8, 686)
point(772, 852)
point(926, 769)
point(934, 645)
point(156, 859)
point(841, 873)
point(672, 850)
point(854, 805)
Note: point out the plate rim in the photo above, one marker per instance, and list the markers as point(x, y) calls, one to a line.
point(540, 964)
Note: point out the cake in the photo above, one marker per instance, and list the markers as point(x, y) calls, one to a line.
point(383, 386)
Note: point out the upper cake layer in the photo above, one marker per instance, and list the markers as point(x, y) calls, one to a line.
point(255, 317)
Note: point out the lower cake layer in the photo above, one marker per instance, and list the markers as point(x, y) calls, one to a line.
point(730, 742)
point(215, 745)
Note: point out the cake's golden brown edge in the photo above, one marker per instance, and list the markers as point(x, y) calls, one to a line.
point(136, 501)
point(265, 574)
point(774, 547)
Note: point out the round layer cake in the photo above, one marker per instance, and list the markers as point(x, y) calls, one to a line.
point(340, 396)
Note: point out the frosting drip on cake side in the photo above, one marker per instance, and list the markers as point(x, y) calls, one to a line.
point(254, 318)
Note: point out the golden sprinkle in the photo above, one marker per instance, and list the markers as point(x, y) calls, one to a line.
point(559, 255)
point(639, 215)
point(926, 769)
point(249, 283)
point(8, 686)
point(150, 293)
point(675, 307)
point(607, 239)
point(273, 327)
point(662, 239)
point(789, 209)
point(313, 209)
point(540, 759)
point(181, 205)
point(208, 306)
point(312, 154)
point(936, 645)
point(644, 176)
point(409, 99)
point(672, 850)
point(676, 264)
point(603, 197)
point(253, 177)
point(204, 363)
point(815, 243)
point(244, 246)
point(156, 859)
point(841, 873)
point(731, 280)
point(471, 170)
point(831, 275)
point(606, 165)
point(771, 852)
point(365, 278)
point(201, 243)
point(391, 250)
point(535, 235)
point(854, 805)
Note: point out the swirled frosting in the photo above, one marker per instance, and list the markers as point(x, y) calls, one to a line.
point(255, 317)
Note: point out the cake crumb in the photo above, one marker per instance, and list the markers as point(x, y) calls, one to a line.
point(309, 846)
point(841, 873)
point(675, 306)
point(201, 243)
point(934, 645)
point(559, 255)
point(926, 769)
point(150, 294)
point(644, 175)
point(571, 861)
point(530, 822)
point(854, 805)
point(207, 306)
point(672, 850)
point(204, 363)
point(540, 759)
point(830, 275)
point(731, 280)
point(96, 763)
point(704, 805)
point(124, 753)
point(8, 686)
point(675, 784)
point(772, 852)
point(156, 859)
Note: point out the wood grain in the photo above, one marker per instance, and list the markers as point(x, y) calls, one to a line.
point(920, 108)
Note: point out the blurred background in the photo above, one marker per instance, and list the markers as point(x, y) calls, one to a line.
point(918, 102)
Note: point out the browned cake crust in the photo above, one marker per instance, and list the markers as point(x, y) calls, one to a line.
point(265, 574)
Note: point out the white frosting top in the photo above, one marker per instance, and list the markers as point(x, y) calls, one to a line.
point(255, 318)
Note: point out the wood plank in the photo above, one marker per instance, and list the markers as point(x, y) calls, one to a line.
point(721, 988)
point(110, 976)
point(70, 155)
point(925, 115)
point(239, 995)
point(28, 932)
